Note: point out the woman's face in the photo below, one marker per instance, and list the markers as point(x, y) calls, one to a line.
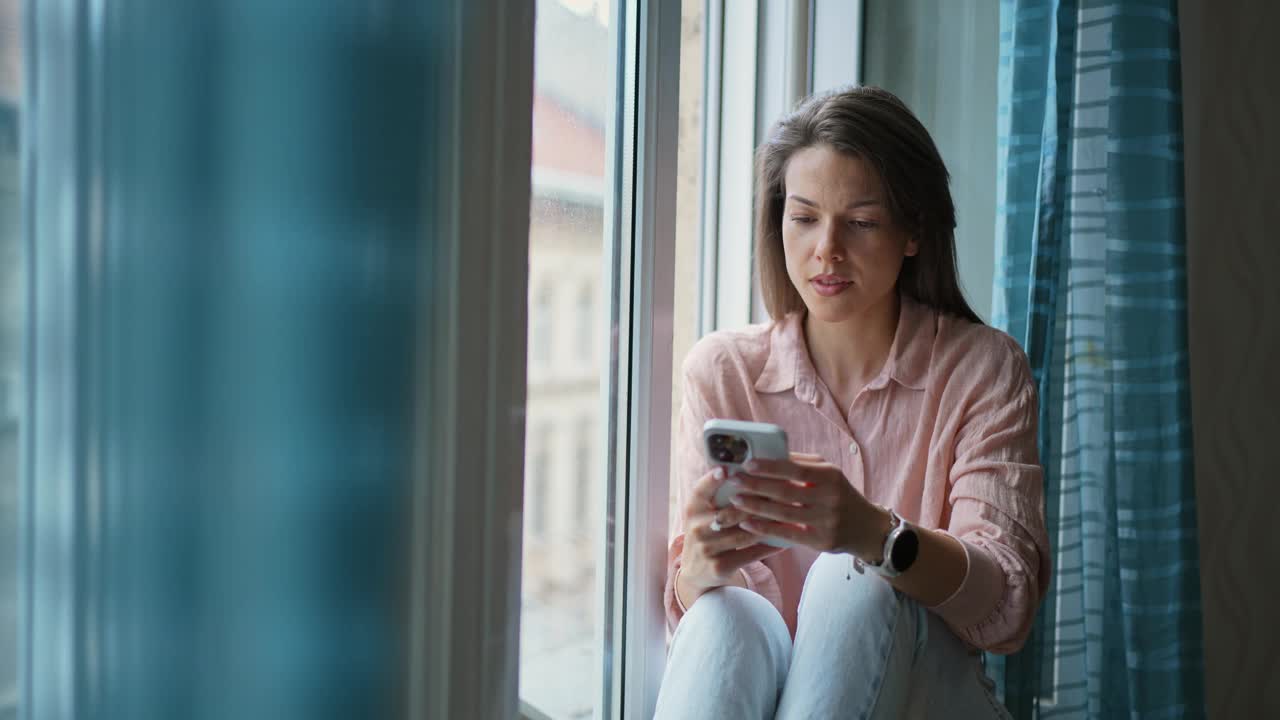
point(843, 249)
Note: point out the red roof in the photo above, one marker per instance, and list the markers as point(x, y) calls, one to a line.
point(564, 142)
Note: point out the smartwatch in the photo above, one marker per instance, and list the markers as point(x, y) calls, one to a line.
point(901, 547)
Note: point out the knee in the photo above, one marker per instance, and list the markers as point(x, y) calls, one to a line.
point(740, 616)
point(833, 583)
point(729, 658)
point(733, 607)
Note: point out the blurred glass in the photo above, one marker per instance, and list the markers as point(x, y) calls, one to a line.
point(12, 288)
point(564, 461)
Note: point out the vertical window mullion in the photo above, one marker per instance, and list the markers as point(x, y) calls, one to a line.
point(736, 121)
point(710, 212)
point(645, 153)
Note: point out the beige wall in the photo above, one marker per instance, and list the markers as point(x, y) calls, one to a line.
point(1232, 125)
point(942, 60)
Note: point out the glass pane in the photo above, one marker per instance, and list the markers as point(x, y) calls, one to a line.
point(564, 460)
point(12, 288)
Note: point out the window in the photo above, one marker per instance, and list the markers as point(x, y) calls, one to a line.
point(541, 334)
point(682, 269)
point(600, 240)
point(537, 498)
point(573, 91)
point(585, 313)
point(584, 478)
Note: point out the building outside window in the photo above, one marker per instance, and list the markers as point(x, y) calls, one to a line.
point(572, 98)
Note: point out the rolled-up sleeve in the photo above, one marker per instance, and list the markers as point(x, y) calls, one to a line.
point(690, 465)
point(997, 511)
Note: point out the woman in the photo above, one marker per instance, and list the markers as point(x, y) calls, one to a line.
point(913, 431)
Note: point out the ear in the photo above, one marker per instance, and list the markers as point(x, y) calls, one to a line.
point(913, 247)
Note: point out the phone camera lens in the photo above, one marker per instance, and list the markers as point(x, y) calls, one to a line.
point(724, 455)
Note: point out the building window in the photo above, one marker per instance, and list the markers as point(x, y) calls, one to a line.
point(584, 477)
point(541, 330)
point(539, 493)
point(586, 318)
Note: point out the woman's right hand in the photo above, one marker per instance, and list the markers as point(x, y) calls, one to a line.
point(712, 558)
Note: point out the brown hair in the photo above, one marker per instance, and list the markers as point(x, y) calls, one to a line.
point(872, 124)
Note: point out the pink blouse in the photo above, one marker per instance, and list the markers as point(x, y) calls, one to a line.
point(945, 435)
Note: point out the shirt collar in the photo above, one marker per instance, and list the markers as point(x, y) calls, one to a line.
point(912, 348)
point(787, 349)
point(790, 366)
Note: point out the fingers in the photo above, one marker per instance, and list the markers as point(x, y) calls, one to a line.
point(729, 516)
point(779, 469)
point(734, 560)
point(704, 490)
point(728, 537)
point(714, 542)
point(768, 509)
point(784, 531)
point(806, 458)
point(774, 489)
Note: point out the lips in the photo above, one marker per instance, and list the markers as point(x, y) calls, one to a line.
point(829, 285)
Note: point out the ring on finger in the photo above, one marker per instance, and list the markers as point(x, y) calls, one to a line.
point(715, 525)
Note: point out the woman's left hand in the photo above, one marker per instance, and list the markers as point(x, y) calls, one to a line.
point(808, 501)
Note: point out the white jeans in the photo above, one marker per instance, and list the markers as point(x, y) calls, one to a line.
point(862, 650)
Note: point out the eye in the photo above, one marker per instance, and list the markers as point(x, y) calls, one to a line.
point(864, 224)
point(801, 219)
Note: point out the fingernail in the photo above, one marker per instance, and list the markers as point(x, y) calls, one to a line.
point(750, 466)
point(719, 472)
point(737, 500)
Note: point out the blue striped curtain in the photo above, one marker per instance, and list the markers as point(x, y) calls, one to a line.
point(1091, 278)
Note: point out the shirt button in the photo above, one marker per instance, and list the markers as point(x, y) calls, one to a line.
point(853, 448)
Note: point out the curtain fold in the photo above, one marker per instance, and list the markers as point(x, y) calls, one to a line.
point(1091, 278)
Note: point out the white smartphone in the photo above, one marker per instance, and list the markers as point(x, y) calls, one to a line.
point(733, 442)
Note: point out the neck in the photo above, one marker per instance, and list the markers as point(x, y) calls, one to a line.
point(849, 354)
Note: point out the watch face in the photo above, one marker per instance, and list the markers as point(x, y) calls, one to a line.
point(905, 549)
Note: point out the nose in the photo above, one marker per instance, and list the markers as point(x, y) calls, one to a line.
point(828, 249)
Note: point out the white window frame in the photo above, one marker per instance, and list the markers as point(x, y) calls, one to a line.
point(728, 144)
point(640, 219)
point(762, 57)
point(640, 201)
